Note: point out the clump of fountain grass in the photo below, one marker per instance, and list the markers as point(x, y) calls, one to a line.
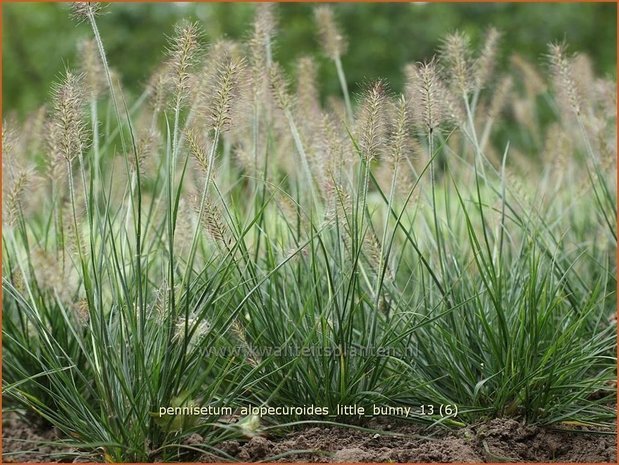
point(226, 240)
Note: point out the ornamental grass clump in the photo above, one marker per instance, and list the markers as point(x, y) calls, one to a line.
point(230, 239)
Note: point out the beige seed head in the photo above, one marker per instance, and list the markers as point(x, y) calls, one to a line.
point(335, 157)
point(225, 90)
point(533, 81)
point(562, 73)
point(343, 205)
point(56, 276)
point(287, 206)
point(245, 159)
point(606, 95)
point(426, 93)
point(84, 11)
point(81, 311)
point(54, 161)
point(72, 236)
point(372, 121)
point(13, 199)
point(501, 96)
point(194, 327)
point(307, 88)
point(485, 63)
point(147, 146)
point(279, 87)
point(9, 141)
point(91, 68)
point(399, 138)
point(372, 250)
point(211, 221)
point(197, 148)
point(584, 78)
point(218, 53)
point(183, 55)
point(456, 55)
point(558, 148)
point(33, 131)
point(67, 117)
point(266, 21)
point(48, 271)
point(333, 42)
point(260, 43)
point(18, 281)
point(158, 86)
point(161, 301)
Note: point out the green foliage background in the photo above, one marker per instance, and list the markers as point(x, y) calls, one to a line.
point(39, 38)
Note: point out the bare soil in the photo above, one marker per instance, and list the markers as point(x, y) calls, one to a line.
point(19, 436)
point(499, 440)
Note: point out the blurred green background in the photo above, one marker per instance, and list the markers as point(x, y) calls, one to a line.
point(39, 39)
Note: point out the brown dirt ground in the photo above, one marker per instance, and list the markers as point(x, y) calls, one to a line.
point(499, 440)
point(18, 436)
